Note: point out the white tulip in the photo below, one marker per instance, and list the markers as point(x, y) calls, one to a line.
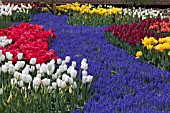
point(84, 73)
point(38, 66)
point(70, 68)
point(54, 76)
point(22, 63)
point(30, 7)
point(59, 82)
point(84, 79)
point(54, 85)
point(1, 91)
point(65, 78)
point(28, 79)
point(11, 68)
point(20, 56)
point(39, 75)
point(10, 13)
point(36, 81)
point(32, 69)
point(58, 72)
point(73, 64)
point(46, 82)
point(25, 71)
point(17, 66)
point(70, 80)
point(65, 67)
point(84, 66)
point(84, 60)
point(63, 62)
point(4, 68)
point(33, 61)
point(89, 78)
point(61, 68)
point(2, 57)
point(67, 59)
point(63, 84)
point(52, 61)
point(73, 73)
point(20, 83)
point(59, 61)
point(43, 68)
point(9, 55)
point(17, 75)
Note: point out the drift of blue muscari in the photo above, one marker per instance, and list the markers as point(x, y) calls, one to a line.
point(135, 88)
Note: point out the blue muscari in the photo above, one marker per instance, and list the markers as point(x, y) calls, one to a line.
point(136, 88)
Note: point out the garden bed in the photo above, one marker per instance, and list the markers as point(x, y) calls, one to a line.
point(75, 61)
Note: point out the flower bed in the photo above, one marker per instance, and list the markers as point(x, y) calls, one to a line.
point(122, 83)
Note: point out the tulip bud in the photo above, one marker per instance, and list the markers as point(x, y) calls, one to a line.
point(2, 57)
point(89, 78)
point(38, 66)
point(84, 66)
point(9, 55)
point(84, 60)
point(9, 99)
point(33, 61)
point(84, 73)
point(59, 61)
point(20, 56)
point(65, 67)
point(70, 90)
point(73, 64)
point(20, 83)
point(63, 62)
point(84, 79)
point(32, 69)
point(67, 59)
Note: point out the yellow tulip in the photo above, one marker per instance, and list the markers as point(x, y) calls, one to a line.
point(138, 54)
point(149, 47)
point(169, 53)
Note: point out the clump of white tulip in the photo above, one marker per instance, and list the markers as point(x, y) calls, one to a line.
point(52, 77)
point(143, 13)
point(4, 41)
point(7, 10)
